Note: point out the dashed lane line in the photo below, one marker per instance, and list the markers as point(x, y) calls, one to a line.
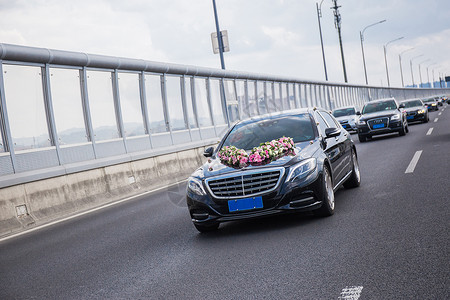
point(414, 161)
point(435, 120)
point(351, 293)
point(440, 113)
point(430, 131)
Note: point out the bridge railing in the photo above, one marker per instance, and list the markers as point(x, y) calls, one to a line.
point(64, 112)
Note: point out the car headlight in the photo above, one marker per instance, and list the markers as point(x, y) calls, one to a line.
point(195, 185)
point(301, 169)
point(433, 104)
point(396, 117)
point(422, 111)
point(361, 122)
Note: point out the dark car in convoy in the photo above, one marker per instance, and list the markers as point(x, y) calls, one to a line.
point(300, 175)
point(431, 104)
point(381, 117)
point(347, 117)
point(416, 111)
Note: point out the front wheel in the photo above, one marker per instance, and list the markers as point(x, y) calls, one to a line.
point(361, 138)
point(327, 208)
point(402, 131)
point(355, 179)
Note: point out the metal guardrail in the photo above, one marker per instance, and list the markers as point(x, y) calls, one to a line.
point(64, 112)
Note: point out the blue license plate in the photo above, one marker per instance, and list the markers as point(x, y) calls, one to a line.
point(376, 126)
point(410, 117)
point(345, 126)
point(245, 204)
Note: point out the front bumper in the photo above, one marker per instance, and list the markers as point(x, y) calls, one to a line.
point(393, 126)
point(289, 197)
point(415, 117)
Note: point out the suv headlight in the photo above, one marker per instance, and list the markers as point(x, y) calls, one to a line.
point(361, 122)
point(195, 185)
point(396, 117)
point(422, 111)
point(301, 169)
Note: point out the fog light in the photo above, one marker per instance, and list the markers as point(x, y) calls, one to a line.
point(200, 216)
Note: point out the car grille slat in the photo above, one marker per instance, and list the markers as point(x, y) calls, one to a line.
point(373, 122)
point(245, 184)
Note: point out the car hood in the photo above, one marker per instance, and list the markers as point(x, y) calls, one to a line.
point(384, 113)
point(214, 167)
point(415, 108)
point(347, 118)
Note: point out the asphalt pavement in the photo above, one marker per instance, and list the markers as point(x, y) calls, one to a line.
point(388, 239)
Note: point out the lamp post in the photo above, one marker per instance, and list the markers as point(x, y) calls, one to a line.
point(410, 64)
point(385, 59)
point(361, 36)
point(337, 24)
point(428, 74)
point(319, 15)
point(219, 36)
point(400, 62)
point(420, 72)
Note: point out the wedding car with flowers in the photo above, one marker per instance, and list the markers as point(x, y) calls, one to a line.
point(277, 163)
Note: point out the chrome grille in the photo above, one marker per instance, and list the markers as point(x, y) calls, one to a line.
point(245, 184)
point(378, 121)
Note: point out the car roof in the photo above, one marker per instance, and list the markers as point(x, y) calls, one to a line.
point(345, 107)
point(276, 115)
point(415, 99)
point(381, 100)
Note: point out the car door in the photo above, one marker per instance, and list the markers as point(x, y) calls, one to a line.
point(337, 148)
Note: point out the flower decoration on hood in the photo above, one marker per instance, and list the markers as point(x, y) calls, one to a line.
point(265, 153)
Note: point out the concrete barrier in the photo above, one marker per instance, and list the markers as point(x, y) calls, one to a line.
point(36, 203)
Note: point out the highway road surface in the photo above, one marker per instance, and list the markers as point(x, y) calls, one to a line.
point(388, 239)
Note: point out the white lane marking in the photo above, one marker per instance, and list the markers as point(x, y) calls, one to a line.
point(439, 113)
point(87, 212)
point(430, 131)
point(351, 293)
point(435, 120)
point(414, 161)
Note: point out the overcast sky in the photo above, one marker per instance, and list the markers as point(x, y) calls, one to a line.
point(278, 37)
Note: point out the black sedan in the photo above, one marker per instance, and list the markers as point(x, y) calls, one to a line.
point(431, 104)
point(381, 117)
point(272, 164)
point(416, 111)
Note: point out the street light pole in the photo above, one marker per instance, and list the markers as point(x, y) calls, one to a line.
point(400, 62)
point(410, 64)
point(319, 15)
point(428, 74)
point(337, 23)
point(361, 36)
point(420, 72)
point(219, 36)
point(385, 59)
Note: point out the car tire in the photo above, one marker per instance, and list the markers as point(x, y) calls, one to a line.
point(426, 119)
point(206, 228)
point(402, 131)
point(361, 138)
point(407, 127)
point(327, 208)
point(355, 179)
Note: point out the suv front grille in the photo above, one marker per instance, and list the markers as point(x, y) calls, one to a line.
point(378, 122)
point(245, 184)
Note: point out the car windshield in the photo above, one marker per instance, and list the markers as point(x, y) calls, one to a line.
point(249, 135)
point(412, 103)
point(431, 100)
point(379, 106)
point(344, 112)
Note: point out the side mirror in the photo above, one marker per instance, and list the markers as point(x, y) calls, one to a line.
point(208, 152)
point(401, 105)
point(332, 132)
point(358, 113)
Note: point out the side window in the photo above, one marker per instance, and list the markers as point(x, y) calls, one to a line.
point(329, 119)
point(321, 124)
